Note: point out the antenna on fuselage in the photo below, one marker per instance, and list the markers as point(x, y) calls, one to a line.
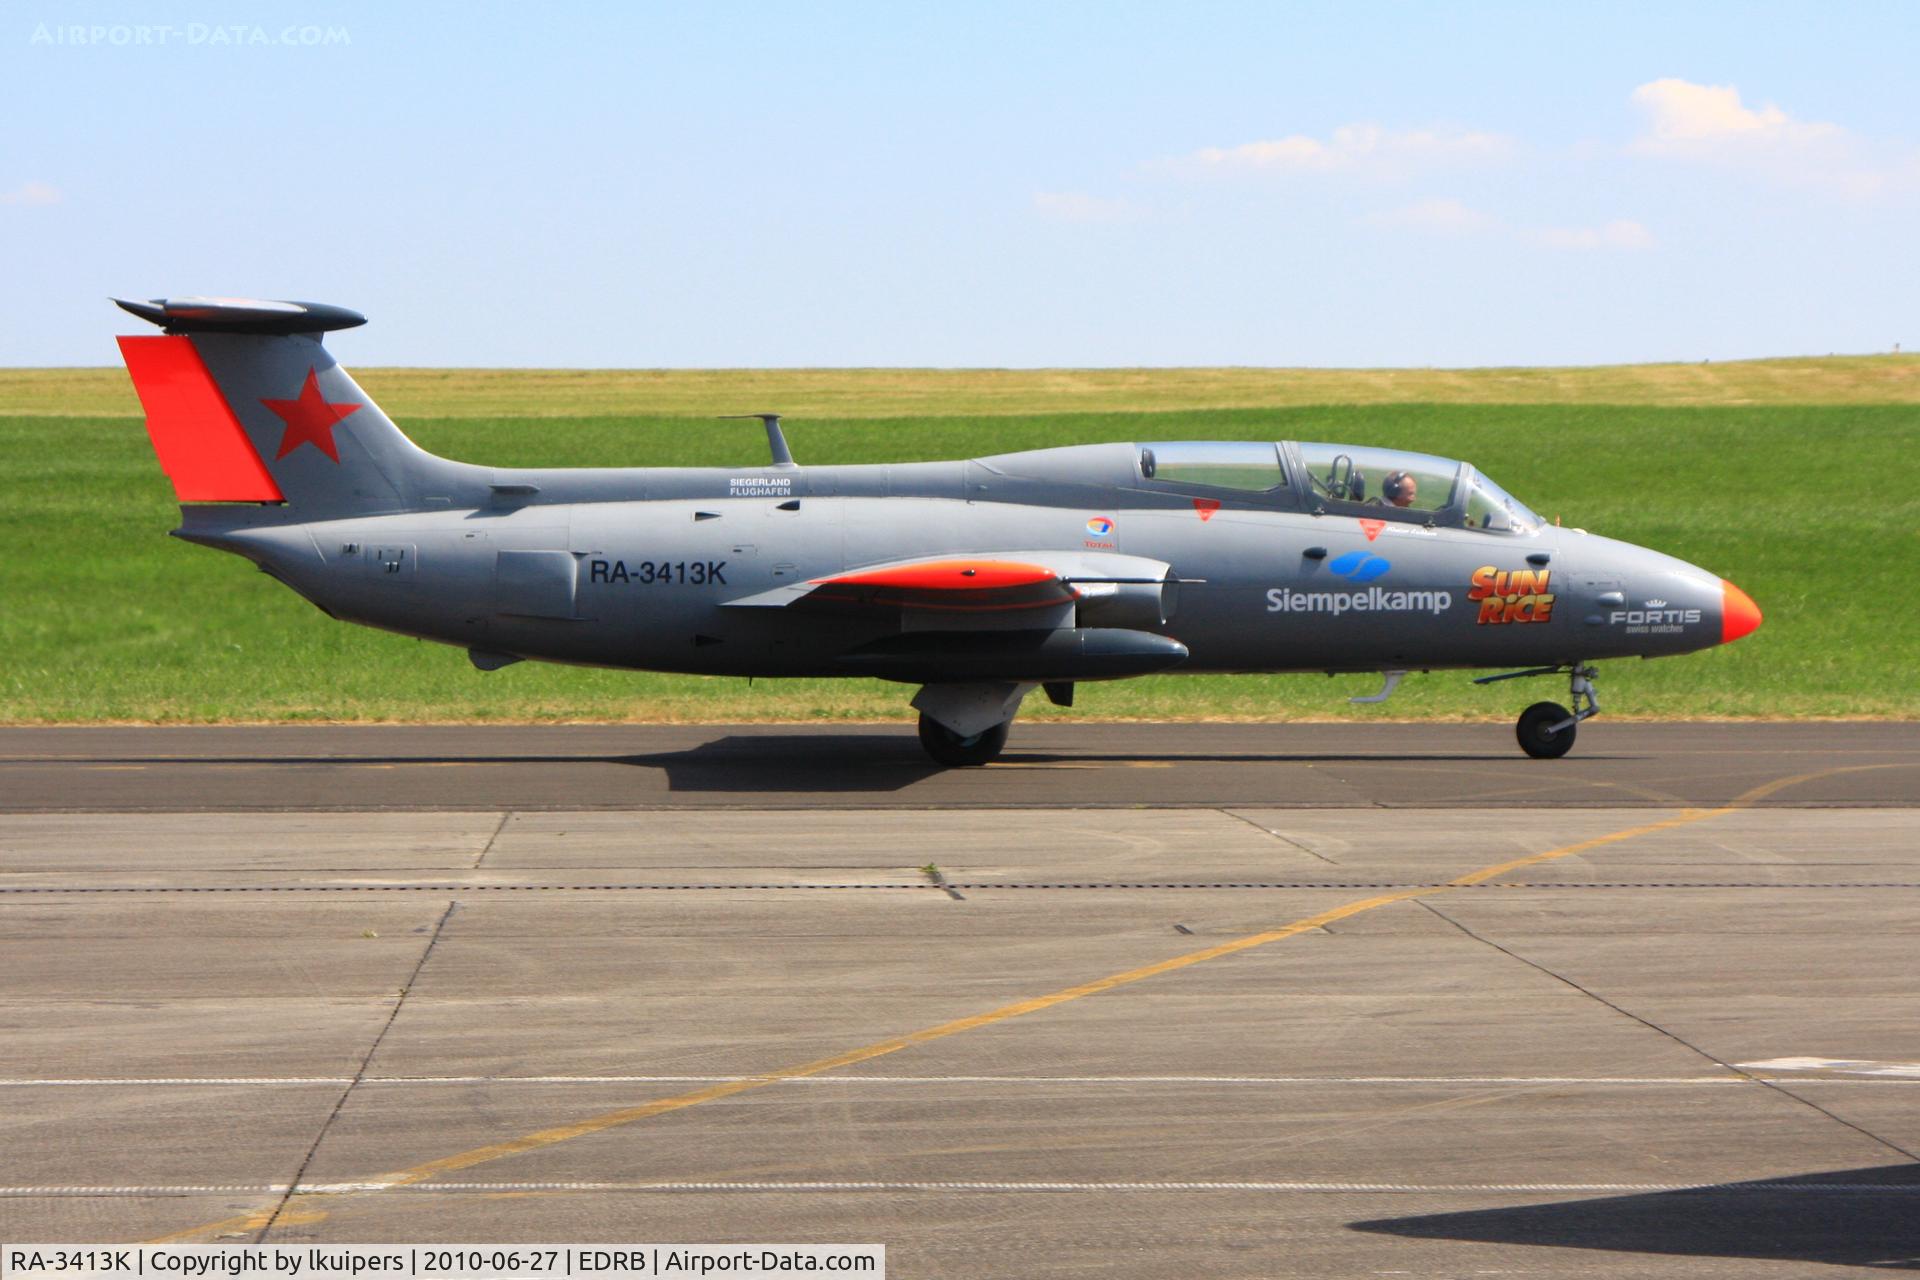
point(776, 438)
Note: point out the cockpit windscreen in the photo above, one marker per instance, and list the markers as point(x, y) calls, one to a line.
point(1379, 477)
point(1218, 464)
point(1491, 507)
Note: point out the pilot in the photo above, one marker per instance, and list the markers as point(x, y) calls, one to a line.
point(1400, 489)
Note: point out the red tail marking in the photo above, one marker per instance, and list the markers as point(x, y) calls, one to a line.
point(201, 445)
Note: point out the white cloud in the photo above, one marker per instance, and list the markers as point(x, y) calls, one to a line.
point(1444, 216)
point(1686, 116)
point(1709, 124)
point(1621, 233)
point(1078, 206)
point(31, 193)
point(1449, 217)
point(1353, 148)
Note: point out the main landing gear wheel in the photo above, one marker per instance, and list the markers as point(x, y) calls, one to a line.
point(953, 750)
point(1546, 730)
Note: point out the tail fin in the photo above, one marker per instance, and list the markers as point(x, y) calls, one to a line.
point(244, 404)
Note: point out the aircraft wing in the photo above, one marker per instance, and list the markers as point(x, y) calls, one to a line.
point(1011, 616)
point(1022, 585)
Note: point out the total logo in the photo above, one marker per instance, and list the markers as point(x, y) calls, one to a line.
point(1512, 595)
point(1100, 533)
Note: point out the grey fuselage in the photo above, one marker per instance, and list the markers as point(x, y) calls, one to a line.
point(646, 568)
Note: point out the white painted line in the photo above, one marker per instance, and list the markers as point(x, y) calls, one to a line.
point(1879, 1077)
point(1305, 1188)
point(148, 1082)
point(265, 1189)
point(1851, 1066)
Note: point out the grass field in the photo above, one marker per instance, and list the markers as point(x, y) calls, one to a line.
point(1805, 505)
point(407, 394)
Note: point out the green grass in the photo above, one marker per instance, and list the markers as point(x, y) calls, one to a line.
point(104, 618)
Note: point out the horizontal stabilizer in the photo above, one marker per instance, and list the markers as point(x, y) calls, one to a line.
point(241, 315)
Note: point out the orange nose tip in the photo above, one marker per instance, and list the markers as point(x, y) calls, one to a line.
point(1738, 613)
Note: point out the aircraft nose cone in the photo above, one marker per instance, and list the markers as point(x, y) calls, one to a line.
point(1738, 613)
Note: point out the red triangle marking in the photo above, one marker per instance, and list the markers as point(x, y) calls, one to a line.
point(1372, 528)
point(1206, 507)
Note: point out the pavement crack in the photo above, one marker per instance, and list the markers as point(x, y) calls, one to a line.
point(1289, 841)
point(1678, 1039)
point(360, 1074)
point(486, 849)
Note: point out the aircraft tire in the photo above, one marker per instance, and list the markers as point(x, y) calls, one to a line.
point(1532, 732)
point(954, 751)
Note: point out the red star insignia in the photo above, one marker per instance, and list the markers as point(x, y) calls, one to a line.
point(309, 419)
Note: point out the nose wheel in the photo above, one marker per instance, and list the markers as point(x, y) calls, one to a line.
point(1546, 729)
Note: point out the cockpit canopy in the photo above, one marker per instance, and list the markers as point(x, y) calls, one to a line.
point(1340, 479)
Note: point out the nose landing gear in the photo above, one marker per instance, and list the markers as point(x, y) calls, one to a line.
point(1546, 729)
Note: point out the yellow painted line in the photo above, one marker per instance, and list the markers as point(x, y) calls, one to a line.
point(242, 1223)
point(866, 1053)
point(1488, 873)
point(1766, 789)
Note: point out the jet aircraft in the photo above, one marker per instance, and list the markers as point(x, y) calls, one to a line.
point(980, 581)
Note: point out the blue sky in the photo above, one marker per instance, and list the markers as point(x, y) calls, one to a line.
point(643, 185)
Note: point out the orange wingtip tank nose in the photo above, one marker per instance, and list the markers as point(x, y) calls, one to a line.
point(1738, 613)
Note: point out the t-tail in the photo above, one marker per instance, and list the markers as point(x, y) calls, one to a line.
point(245, 405)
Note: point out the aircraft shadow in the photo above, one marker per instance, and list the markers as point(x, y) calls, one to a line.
point(853, 762)
point(827, 763)
point(819, 762)
point(1852, 1217)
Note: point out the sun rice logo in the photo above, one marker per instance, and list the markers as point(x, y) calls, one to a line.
point(1511, 595)
point(1361, 566)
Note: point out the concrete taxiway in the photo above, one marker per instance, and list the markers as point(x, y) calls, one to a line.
point(1047, 764)
point(1214, 1000)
